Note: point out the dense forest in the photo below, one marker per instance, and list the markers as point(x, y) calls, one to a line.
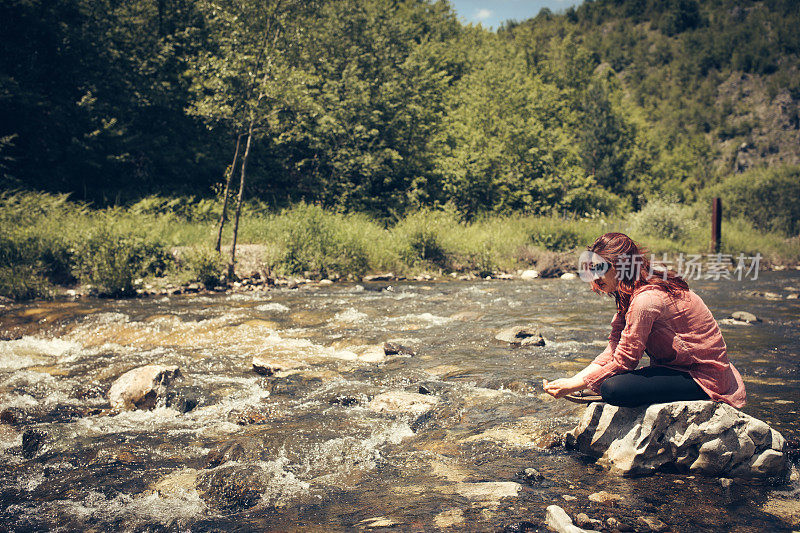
point(389, 106)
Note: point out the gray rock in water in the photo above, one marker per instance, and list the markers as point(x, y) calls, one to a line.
point(141, 388)
point(394, 348)
point(744, 316)
point(558, 520)
point(701, 437)
point(521, 336)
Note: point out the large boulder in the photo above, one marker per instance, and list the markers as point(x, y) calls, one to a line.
point(141, 388)
point(701, 437)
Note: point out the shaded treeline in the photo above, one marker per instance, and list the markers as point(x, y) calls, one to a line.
point(386, 107)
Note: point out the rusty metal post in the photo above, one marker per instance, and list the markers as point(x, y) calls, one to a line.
point(716, 224)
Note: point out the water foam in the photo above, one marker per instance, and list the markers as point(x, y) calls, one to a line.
point(273, 307)
point(32, 351)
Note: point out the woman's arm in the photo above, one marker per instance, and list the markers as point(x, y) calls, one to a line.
point(625, 347)
point(645, 308)
point(563, 386)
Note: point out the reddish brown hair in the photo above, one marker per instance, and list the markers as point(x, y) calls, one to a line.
point(633, 269)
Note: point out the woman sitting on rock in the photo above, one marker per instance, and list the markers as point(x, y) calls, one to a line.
point(656, 313)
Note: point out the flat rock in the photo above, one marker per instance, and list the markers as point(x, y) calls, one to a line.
point(521, 336)
point(744, 316)
point(604, 497)
point(529, 275)
point(701, 437)
point(489, 491)
point(651, 523)
point(402, 402)
point(453, 517)
point(141, 388)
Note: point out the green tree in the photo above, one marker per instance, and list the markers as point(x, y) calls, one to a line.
point(246, 78)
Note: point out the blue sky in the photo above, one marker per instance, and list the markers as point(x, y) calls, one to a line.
point(492, 13)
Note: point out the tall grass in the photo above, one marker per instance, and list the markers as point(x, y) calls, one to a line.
point(47, 240)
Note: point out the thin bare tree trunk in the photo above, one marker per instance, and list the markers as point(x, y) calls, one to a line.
point(228, 179)
point(232, 265)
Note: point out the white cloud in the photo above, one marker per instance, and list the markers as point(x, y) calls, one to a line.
point(483, 14)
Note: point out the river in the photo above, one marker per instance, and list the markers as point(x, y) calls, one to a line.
point(304, 451)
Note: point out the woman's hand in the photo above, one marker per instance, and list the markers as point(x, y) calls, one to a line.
point(561, 387)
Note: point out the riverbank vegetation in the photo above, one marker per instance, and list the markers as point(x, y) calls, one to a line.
point(49, 241)
point(364, 135)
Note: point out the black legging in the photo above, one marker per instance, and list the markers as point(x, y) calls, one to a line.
point(651, 384)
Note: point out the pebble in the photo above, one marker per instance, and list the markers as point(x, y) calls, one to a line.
point(604, 497)
point(613, 523)
point(583, 520)
point(652, 523)
point(531, 474)
point(557, 519)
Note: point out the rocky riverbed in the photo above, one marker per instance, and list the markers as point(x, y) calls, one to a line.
point(343, 406)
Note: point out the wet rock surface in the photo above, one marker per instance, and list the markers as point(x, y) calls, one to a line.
point(699, 437)
point(230, 488)
point(141, 388)
point(558, 520)
point(521, 336)
point(744, 316)
point(403, 403)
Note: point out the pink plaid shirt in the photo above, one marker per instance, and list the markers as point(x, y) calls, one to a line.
point(678, 332)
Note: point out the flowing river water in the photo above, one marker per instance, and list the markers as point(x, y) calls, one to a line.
point(303, 450)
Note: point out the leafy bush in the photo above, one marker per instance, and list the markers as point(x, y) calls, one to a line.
point(556, 239)
point(23, 282)
point(665, 218)
point(766, 197)
point(111, 261)
point(320, 242)
point(203, 265)
point(426, 237)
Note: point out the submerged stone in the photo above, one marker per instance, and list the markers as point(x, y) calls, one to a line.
point(230, 488)
point(701, 437)
point(521, 336)
point(402, 402)
point(394, 348)
point(141, 388)
point(267, 366)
